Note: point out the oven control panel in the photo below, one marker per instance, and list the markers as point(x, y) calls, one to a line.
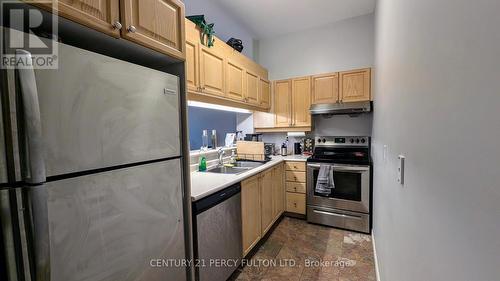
point(342, 141)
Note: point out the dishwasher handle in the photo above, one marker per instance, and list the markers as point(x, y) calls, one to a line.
point(216, 198)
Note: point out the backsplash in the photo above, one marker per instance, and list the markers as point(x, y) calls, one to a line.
point(337, 125)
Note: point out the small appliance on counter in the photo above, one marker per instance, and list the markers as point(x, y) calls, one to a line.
point(253, 137)
point(230, 139)
point(269, 149)
point(284, 151)
point(297, 148)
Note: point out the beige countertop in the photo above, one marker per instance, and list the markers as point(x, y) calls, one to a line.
point(205, 183)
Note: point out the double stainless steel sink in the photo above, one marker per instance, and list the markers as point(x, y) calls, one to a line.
point(237, 168)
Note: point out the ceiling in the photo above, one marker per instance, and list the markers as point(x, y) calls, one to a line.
point(268, 18)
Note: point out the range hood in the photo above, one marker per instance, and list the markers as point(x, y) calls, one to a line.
point(341, 108)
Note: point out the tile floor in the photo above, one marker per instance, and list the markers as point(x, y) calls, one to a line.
point(298, 251)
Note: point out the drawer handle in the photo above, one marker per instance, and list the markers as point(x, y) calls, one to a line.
point(295, 188)
point(295, 204)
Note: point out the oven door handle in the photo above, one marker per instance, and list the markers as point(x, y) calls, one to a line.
point(337, 215)
point(344, 168)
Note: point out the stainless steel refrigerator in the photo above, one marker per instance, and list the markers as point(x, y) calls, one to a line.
point(90, 171)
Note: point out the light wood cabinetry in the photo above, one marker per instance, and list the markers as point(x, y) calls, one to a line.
point(301, 102)
point(266, 200)
point(226, 77)
point(98, 15)
point(250, 213)
point(325, 88)
point(278, 192)
point(235, 80)
point(282, 106)
point(265, 93)
point(252, 88)
point(295, 187)
point(296, 203)
point(192, 66)
point(212, 71)
point(292, 98)
point(155, 24)
point(262, 203)
point(355, 85)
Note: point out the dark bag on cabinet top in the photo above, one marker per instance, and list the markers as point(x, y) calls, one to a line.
point(237, 44)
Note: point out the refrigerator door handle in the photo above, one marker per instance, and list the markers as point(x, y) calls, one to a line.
point(36, 191)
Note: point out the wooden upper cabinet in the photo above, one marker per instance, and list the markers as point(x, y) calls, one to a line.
point(301, 102)
point(250, 213)
point(212, 71)
point(235, 77)
point(325, 88)
point(355, 85)
point(157, 24)
point(103, 16)
point(282, 107)
point(252, 88)
point(192, 66)
point(265, 93)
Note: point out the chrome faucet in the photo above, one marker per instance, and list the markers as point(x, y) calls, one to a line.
point(220, 153)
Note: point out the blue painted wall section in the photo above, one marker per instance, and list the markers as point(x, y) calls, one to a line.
point(210, 119)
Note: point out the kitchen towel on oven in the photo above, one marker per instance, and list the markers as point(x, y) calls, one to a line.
point(324, 183)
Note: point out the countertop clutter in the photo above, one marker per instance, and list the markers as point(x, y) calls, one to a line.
point(206, 183)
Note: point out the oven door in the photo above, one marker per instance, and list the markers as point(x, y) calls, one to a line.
point(351, 192)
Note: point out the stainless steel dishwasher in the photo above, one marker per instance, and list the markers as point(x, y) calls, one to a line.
point(217, 234)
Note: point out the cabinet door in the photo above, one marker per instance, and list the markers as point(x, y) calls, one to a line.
point(355, 85)
point(282, 99)
point(98, 15)
point(192, 66)
point(265, 93)
point(250, 213)
point(156, 24)
point(325, 88)
point(212, 70)
point(252, 88)
point(235, 76)
point(266, 200)
point(278, 191)
point(301, 101)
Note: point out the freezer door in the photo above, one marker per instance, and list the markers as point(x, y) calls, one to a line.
point(112, 226)
point(100, 112)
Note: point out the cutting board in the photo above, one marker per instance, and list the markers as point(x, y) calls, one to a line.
point(251, 150)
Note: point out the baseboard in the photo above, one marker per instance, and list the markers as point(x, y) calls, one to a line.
point(377, 272)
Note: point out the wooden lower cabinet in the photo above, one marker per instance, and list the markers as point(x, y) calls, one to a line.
point(266, 200)
point(262, 203)
point(295, 195)
point(296, 203)
point(278, 192)
point(250, 213)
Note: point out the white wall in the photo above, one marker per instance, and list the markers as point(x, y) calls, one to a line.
point(437, 97)
point(338, 46)
point(226, 26)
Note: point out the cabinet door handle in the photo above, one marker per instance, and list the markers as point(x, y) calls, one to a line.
point(117, 25)
point(132, 29)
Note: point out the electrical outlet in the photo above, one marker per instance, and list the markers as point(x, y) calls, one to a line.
point(401, 169)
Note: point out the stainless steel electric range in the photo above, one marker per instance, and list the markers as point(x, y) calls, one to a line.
point(347, 206)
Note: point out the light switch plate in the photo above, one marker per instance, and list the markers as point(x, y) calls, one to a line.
point(401, 169)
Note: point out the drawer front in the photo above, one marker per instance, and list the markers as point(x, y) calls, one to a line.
point(295, 166)
point(296, 176)
point(296, 203)
point(297, 187)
